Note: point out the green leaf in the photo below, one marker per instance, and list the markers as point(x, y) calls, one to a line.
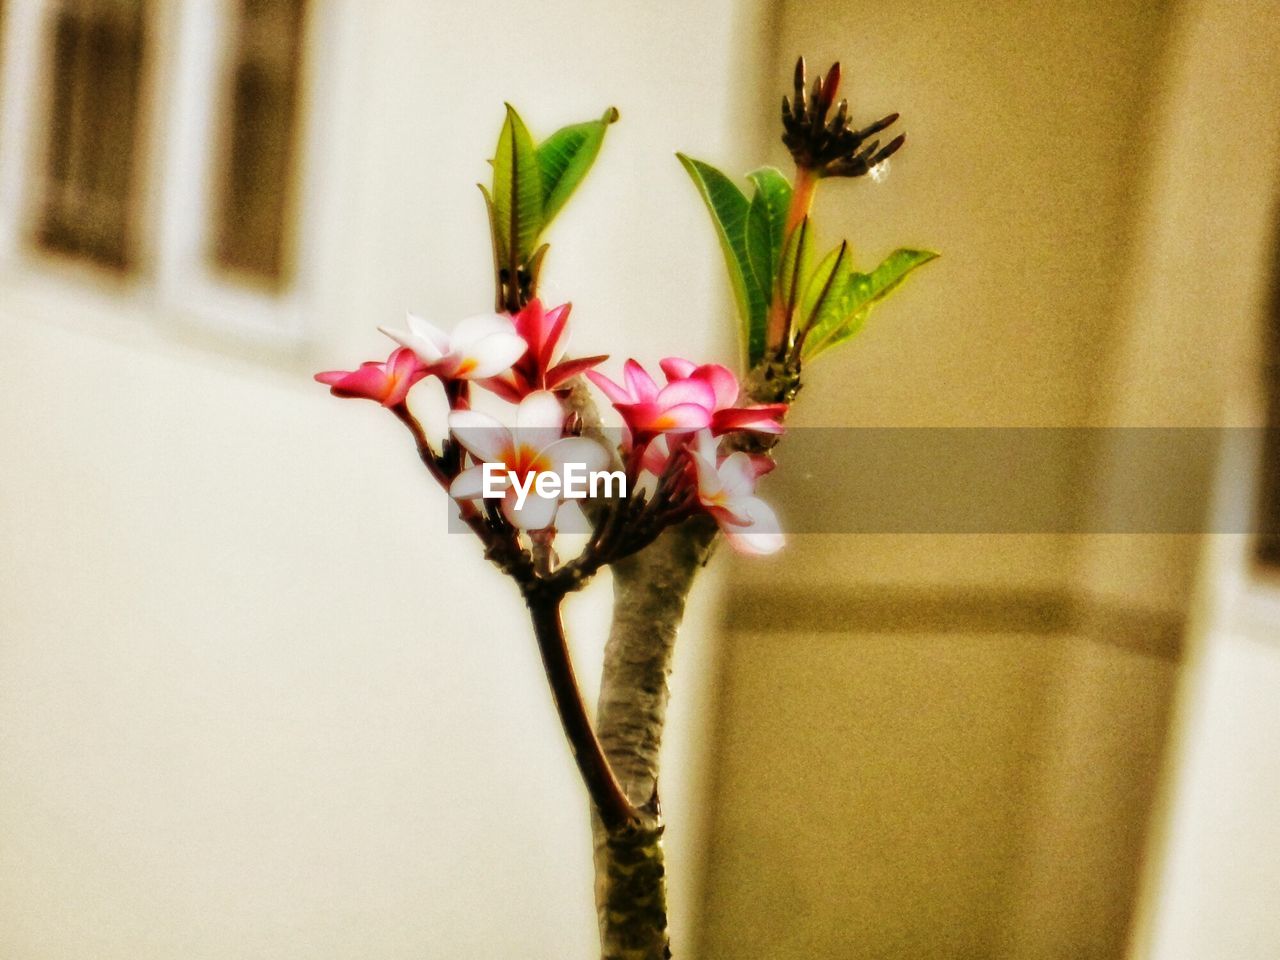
point(565, 158)
point(824, 290)
point(766, 223)
point(517, 191)
point(766, 226)
point(729, 210)
point(793, 269)
point(861, 292)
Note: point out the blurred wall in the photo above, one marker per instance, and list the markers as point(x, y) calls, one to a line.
point(1214, 856)
point(253, 700)
point(947, 746)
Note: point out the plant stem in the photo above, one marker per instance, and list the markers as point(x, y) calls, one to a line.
point(615, 810)
point(801, 198)
point(650, 590)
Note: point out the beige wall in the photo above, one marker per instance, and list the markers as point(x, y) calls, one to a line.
point(1212, 876)
point(253, 700)
point(887, 792)
point(953, 751)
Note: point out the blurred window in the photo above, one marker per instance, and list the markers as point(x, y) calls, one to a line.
point(96, 54)
point(163, 142)
point(254, 178)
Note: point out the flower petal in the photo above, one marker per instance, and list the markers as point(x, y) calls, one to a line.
point(539, 420)
point(762, 535)
point(641, 385)
point(684, 416)
point(710, 487)
point(753, 543)
point(529, 323)
point(722, 381)
point(536, 514)
point(706, 446)
point(485, 438)
point(424, 347)
point(762, 418)
point(490, 356)
point(571, 368)
point(403, 362)
point(555, 337)
point(469, 484)
point(507, 386)
point(576, 450)
point(423, 329)
point(369, 381)
point(677, 368)
point(688, 391)
point(737, 475)
point(615, 392)
point(479, 326)
point(729, 513)
point(331, 378)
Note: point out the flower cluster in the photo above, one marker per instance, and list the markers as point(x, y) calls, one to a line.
point(681, 452)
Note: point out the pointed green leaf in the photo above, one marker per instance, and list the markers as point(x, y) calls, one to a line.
point(759, 243)
point(517, 191)
point(762, 261)
point(794, 267)
point(729, 210)
point(565, 158)
point(850, 328)
point(824, 289)
point(861, 292)
point(766, 223)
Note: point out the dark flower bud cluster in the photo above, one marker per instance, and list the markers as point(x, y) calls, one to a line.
point(831, 148)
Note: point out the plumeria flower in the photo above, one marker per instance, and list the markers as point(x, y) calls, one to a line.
point(536, 445)
point(387, 382)
point(480, 347)
point(681, 406)
point(725, 416)
point(726, 488)
point(546, 332)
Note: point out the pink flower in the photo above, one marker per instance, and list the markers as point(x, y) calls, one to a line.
point(537, 445)
point(681, 406)
point(726, 488)
point(479, 347)
point(540, 368)
point(388, 382)
point(725, 416)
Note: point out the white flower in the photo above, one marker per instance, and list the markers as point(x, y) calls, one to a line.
point(480, 347)
point(726, 488)
point(537, 445)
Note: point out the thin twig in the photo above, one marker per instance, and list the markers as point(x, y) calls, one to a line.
point(616, 811)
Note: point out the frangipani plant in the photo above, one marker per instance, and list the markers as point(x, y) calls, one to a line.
point(692, 452)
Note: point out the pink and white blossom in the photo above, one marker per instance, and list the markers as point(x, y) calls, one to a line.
point(536, 445)
point(725, 415)
point(540, 367)
point(479, 347)
point(648, 410)
point(726, 489)
point(388, 382)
